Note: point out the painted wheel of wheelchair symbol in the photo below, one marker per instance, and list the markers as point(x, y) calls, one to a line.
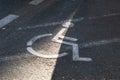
point(40, 54)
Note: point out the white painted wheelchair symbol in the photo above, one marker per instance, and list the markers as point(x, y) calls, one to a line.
point(59, 39)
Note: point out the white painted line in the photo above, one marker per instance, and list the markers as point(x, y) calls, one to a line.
point(98, 43)
point(68, 38)
point(6, 20)
point(104, 16)
point(112, 14)
point(15, 57)
point(78, 19)
point(49, 24)
point(40, 54)
point(36, 2)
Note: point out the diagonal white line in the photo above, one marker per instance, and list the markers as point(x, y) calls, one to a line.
point(49, 24)
point(98, 43)
point(15, 57)
point(6, 20)
point(36, 2)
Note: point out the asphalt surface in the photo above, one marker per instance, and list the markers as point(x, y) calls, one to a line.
point(96, 25)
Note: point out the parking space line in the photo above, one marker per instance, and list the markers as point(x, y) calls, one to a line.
point(49, 24)
point(6, 20)
point(15, 57)
point(36, 2)
point(98, 43)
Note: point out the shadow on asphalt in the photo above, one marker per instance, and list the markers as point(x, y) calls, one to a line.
point(105, 64)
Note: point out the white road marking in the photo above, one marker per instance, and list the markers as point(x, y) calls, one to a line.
point(36, 2)
point(15, 57)
point(75, 51)
point(112, 14)
point(6, 20)
point(49, 24)
point(40, 54)
point(68, 38)
point(98, 43)
point(76, 54)
point(104, 16)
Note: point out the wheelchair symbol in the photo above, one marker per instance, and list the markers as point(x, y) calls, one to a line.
point(59, 39)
